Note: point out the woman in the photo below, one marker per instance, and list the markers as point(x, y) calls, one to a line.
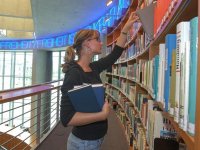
point(88, 128)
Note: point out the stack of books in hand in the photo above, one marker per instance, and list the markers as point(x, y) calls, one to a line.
point(87, 97)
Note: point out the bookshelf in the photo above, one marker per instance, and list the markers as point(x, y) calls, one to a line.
point(189, 140)
point(118, 79)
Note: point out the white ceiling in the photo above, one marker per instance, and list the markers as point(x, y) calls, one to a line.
point(56, 17)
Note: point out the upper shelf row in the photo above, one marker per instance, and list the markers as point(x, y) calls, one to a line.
point(180, 11)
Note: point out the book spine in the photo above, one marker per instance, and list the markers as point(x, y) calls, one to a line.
point(183, 31)
point(173, 83)
point(156, 67)
point(182, 36)
point(170, 45)
point(176, 110)
point(193, 74)
point(186, 87)
point(161, 73)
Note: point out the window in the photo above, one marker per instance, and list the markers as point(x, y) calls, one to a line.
point(58, 59)
point(56, 66)
point(15, 71)
point(3, 33)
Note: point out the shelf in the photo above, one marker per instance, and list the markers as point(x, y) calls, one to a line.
point(114, 41)
point(108, 73)
point(145, 51)
point(128, 60)
point(189, 140)
point(121, 62)
point(140, 84)
point(183, 10)
point(127, 117)
point(134, 107)
point(140, 2)
point(129, 42)
point(134, 57)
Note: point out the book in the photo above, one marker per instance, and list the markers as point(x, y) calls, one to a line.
point(155, 75)
point(146, 16)
point(182, 30)
point(184, 87)
point(161, 73)
point(183, 34)
point(87, 97)
point(173, 83)
point(170, 40)
point(193, 74)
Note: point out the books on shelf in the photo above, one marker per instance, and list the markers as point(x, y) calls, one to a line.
point(87, 97)
point(170, 77)
point(158, 127)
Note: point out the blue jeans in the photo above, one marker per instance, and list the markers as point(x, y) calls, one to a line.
point(75, 143)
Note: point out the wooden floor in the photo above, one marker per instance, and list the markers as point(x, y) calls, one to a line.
point(114, 140)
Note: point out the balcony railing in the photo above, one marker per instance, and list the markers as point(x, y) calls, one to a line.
point(28, 114)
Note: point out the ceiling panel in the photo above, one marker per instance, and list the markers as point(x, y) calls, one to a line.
point(17, 24)
point(14, 34)
point(20, 8)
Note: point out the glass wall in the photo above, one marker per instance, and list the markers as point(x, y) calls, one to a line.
point(58, 60)
point(15, 71)
point(58, 57)
point(96, 57)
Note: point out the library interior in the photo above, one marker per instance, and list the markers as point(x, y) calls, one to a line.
point(152, 89)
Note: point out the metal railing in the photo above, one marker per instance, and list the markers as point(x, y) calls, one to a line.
point(28, 115)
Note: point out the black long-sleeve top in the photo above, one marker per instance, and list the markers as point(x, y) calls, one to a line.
point(75, 75)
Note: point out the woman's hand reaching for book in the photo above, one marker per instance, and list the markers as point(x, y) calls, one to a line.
point(133, 18)
point(121, 41)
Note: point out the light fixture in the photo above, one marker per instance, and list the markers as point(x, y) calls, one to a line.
point(108, 17)
point(109, 2)
point(34, 35)
point(3, 33)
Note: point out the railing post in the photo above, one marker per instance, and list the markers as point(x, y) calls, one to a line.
point(38, 119)
point(58, 104)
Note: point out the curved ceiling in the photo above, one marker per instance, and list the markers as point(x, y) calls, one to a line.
point(21, 18)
